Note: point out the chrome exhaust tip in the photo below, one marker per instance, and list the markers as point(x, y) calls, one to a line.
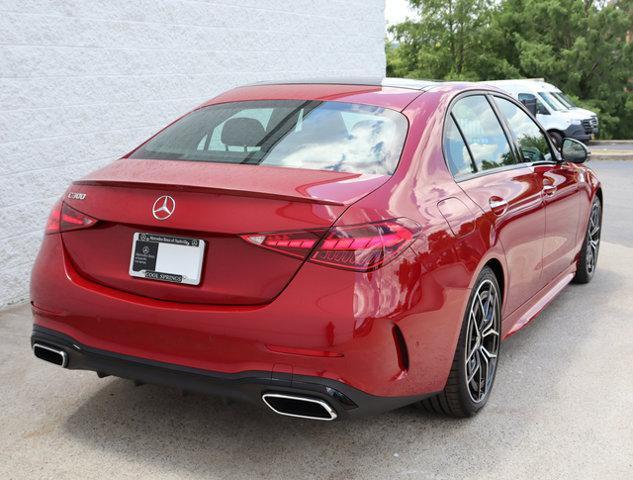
point(300, 407)
point(50, 354)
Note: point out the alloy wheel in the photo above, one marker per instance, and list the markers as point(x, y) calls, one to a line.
point(482, 341)
point(593, 238)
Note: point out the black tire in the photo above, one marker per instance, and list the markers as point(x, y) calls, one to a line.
point(557, 139)
point(456, 400)
point(588, 258)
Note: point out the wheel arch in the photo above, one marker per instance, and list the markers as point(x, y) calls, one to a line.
point(599, 195)
point(552, 132)
point(556, 130)
point(495, 260)
point(497, 268)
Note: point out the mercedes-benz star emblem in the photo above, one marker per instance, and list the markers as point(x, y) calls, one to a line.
point(163, 207)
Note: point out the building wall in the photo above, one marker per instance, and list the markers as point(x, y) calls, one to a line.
point(82, 82)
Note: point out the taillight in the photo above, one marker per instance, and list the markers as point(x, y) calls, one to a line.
point(64, 218)
point(297, 244)
point(365, 247)
point(357, 247)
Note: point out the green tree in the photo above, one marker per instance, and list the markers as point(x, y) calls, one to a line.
point(579, 45)
point(440, 43)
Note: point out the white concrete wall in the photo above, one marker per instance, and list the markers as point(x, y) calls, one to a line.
point(83, 81)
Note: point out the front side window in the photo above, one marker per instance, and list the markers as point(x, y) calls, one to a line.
point(316, 135)
point(529, 98)
point(531, 139)
point(483, 133)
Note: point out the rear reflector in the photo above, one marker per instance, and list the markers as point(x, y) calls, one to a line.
point(303, 351)
point(357, 247)
point(64, 218)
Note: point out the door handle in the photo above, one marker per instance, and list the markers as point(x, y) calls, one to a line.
point(498, 205)
point(549, 190)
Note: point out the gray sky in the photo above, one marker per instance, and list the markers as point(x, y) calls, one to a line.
point(396, 11)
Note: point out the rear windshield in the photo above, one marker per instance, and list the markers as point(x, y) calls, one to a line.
point(342, 137)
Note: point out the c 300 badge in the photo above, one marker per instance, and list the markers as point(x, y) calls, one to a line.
point(76, 196)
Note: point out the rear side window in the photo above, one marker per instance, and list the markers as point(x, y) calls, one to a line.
point(336, 136)
point(457, 155)
point(482, 133)
point(531, 139)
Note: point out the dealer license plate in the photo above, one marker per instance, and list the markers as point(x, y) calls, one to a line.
point(167, 258)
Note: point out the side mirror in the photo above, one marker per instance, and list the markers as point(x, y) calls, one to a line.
point(574, 151)
point(530, 104)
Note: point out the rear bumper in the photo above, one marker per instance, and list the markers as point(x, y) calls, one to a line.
point(246, 386)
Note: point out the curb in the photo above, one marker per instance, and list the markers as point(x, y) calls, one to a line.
point(611, 149)
point(604, 154)
point(603, 142)
point(620, 158)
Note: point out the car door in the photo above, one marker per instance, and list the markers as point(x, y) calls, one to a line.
point(506, 190)
point(559, 182)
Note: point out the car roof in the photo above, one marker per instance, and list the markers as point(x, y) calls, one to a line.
point(393, 93)
point(407, 83)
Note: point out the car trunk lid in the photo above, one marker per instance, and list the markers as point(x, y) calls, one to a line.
point(214, 203)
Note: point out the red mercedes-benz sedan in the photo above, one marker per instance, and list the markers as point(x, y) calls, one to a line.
point(324, 248)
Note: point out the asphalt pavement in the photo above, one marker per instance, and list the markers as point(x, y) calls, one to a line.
point(562, 406)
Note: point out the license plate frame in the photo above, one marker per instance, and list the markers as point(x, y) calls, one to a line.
point(178, 261)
